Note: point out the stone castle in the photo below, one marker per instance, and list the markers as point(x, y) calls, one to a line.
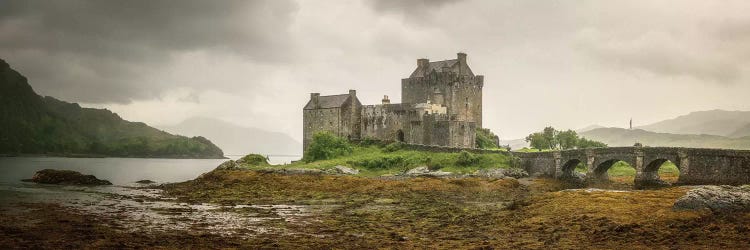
point(441, 105)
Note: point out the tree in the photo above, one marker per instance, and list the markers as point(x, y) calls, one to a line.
point(586, 143)
point(567, 139)
point(552, 139)
point(486, 139)
point(550, 136)
point(538, 141)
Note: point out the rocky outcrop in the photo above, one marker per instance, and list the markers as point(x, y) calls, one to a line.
point(425, 171)
point(517, 173)
point(716, 199)
point(250, 160)
point(344, 170)
point(501, 173)
point(498, 173)
point(145, 182)
point(290, 171)
point(65, 177)
point(230, 165)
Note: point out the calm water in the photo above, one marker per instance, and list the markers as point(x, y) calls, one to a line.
point(125, 201)
point(120, 171)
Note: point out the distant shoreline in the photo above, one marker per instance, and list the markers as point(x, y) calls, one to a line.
point(108, 156)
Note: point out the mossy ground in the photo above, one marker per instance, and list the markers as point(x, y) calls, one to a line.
point(470, 213)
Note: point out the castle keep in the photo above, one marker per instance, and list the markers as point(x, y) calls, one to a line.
point(441, 105)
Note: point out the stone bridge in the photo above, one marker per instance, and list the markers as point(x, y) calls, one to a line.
point(696, 165)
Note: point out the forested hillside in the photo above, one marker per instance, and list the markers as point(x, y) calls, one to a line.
point(32, 124)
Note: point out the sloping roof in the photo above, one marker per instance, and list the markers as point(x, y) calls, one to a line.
point(439, 65)
point(436, 66)
point(329, 101)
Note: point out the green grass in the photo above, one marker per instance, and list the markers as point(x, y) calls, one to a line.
point(622, 168)
point(531, 150)
point(377, 160)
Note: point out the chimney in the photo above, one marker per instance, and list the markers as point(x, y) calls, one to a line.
point(315, 98)
point(462, 58)
point(352, 93)
point(386, 100)
point(422, 63)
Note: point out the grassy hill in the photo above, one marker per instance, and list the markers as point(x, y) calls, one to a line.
point(627, 137)
point(32, 124)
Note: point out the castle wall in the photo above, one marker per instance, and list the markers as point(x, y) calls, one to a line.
point(385, 122)
point(317, 120)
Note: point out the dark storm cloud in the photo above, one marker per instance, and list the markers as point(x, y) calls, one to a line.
point(100, 51)
point(408, 7)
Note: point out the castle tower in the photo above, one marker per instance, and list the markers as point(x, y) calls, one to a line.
point(450, 80)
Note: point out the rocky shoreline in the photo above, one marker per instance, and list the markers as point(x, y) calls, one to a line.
point(289, 209)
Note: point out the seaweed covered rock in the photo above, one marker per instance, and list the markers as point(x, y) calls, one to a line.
point(65, 177)
point(516, 173)
point(716, 199)
point(251, 160)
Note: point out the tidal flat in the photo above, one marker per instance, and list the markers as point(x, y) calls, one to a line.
point(251, 209)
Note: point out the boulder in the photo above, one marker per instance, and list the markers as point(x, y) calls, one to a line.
point(517, 173)
point(345, 170)
point(575, 178)
point(230, 165)
point(651, 184)
point(65, 177)
point(491, 173)
point(715, 198)
point(425, 171)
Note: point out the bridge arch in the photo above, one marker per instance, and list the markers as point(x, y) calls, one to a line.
point(569, 167)
point(601, 166)
point(650, 175)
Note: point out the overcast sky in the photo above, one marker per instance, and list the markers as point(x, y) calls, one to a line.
point(569, 64)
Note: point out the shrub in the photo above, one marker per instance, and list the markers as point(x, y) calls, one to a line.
point(466, 158)
point(486, 139)
point(369, 141)
point(326, 146)
point(433, 165)
point(383, 163)
point(393, 147)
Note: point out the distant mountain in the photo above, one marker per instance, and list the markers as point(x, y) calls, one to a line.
point(32, 124)
point(588, 128)
point(627, 137)
point(712, 122)
point(238, 140)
